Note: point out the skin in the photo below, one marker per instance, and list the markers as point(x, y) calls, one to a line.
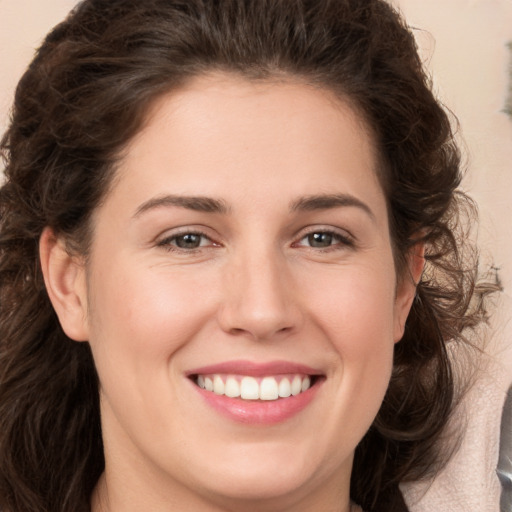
point(255, 289)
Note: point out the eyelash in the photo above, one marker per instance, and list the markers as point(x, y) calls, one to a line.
point(169, 243)
point(341, 241)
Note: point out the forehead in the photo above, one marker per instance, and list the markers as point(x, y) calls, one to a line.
point(224, 136)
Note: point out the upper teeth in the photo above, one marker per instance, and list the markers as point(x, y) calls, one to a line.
point(252, 388)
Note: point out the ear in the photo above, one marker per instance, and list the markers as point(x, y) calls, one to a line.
point(64, 277)
point(406, 289)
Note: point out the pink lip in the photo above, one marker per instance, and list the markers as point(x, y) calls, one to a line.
point(258, 412)
point(254, 369)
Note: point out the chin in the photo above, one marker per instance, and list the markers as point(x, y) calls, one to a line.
point(266, 475)
point(255, 490)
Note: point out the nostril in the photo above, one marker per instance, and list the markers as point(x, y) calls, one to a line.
point(261, 331)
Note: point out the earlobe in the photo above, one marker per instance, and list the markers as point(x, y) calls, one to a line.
point(64, 277)
point(406, 290)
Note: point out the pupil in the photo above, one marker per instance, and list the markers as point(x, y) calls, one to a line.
point(188, 241)
point(320, 239)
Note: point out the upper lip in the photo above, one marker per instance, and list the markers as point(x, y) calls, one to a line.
point(254, 369)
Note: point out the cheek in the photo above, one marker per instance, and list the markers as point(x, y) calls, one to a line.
point(139, 320)
point(356, 305)
point(356, 314)
point(153, 307)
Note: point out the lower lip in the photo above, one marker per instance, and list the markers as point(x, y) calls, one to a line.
point(260, 412)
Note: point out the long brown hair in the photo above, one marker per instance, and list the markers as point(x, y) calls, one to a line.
point(81, 101)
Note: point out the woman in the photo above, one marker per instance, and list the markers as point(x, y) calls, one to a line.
point(229, 261)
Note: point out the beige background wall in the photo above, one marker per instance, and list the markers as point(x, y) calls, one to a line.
point(464, 43)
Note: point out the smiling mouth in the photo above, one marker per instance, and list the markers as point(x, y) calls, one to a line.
point(247, 387)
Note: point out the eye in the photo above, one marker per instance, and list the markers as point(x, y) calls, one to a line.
point(186, 241)
point(325, 240)
point(320, 239)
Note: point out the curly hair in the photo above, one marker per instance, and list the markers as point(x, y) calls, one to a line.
point(85, 96)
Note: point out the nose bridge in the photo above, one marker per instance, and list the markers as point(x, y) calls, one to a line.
point(259, 294)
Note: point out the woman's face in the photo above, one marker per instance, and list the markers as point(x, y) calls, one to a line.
point(244, 246)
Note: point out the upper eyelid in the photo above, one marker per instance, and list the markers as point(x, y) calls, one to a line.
point(184, 230)
point(343, 240)
point(343, 233)
point(166, 239)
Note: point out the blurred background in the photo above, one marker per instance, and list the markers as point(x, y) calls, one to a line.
point(467, 46)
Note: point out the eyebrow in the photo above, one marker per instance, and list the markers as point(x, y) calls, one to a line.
point(196, 203)
point(328, 201)
point(212, 205)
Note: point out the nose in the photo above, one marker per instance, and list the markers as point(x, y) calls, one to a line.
point(260, 298)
